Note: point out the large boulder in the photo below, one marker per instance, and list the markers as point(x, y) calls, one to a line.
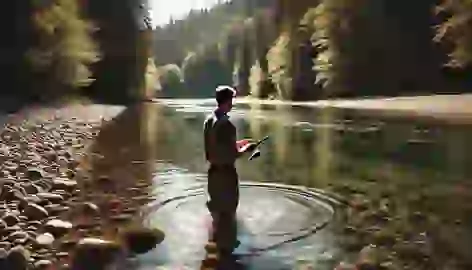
point(141, 240)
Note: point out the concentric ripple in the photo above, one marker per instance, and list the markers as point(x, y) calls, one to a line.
point(271, 217)
point(274, 214)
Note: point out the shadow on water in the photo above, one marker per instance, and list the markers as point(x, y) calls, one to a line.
point(402, 179)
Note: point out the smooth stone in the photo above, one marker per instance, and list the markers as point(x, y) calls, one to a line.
point(62, 254)
point(345, 266)
point(101, 252)
point(3, 225)
point(122, 217)
point(34, 223)
point(34, 174)
point(68, 244)
point(31, 228)
point(35, 212)
point(58, 227)
point(55, 208)
point(33, 199)
point(10, 219)
point(17, 235)
point(42, 264)
point(21, 241)
point(5, 245)
point(141, 240)
point(31, 188)
point(3, 258)
point(45, 239)
point(51, 197)
point(32, 233)
point(65, 194)
point(64, 184)
point(11, 229)
point(3, 253)
point(18, 258)
point(130, 210)
point(44, 184)
point(88, 208)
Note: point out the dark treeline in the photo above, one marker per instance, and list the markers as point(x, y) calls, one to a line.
point(315, 49)
point(59, 47)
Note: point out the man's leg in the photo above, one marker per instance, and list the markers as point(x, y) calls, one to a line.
point(227, 223)
point(212, 192)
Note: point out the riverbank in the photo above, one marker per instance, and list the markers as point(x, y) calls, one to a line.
point(45, 220)
point(447, 108)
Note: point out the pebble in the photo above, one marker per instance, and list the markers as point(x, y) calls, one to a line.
point(35, 174)
point(45, 239)
point(50, 197)
point(10, 219)
point(3, 225)
point(5, 245)
point(89, 209)
point(35, 212)
point(18, 235)
point(42, 265)
point(64, 184)
point(18, 258)
point(100, 252)
point(58, 227)
point(38, 184)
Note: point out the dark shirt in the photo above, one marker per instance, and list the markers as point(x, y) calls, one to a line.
point(220, 139)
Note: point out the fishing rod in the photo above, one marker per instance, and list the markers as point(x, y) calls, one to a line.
point(257, 153)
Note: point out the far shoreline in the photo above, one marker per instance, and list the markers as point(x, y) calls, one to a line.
point(449, 108)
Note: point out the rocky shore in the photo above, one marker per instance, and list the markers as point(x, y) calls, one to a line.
point(46, 220)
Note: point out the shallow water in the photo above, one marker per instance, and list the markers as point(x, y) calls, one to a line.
point(282, 226)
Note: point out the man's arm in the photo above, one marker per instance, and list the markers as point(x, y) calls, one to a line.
point(226, 142)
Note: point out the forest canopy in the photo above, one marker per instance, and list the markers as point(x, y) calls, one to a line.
point(321, 49)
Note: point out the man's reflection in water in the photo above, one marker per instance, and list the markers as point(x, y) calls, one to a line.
point(221, 245)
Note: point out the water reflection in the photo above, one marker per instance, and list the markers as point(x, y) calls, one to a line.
point(402, 178)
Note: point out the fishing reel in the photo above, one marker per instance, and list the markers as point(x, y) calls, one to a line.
point(256, 152)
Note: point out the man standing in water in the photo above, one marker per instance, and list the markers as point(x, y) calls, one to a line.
point(221, 152)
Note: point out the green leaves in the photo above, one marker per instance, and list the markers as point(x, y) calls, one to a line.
point(65, 48)
point(456, 30)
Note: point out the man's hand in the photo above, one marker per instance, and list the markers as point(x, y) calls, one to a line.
point(249, 147)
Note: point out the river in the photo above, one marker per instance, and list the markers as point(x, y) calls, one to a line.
point(328, 183)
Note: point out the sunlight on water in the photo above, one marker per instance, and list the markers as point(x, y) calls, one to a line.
point(401, 179)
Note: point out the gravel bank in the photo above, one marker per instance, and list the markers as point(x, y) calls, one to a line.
point(44, 222)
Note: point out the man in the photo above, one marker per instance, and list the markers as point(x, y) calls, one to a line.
point(221, 152)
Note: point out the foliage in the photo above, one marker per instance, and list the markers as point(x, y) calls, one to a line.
point(170, 75)
point(319, 49)
point(255, 80)
point(336, 38)
point(65, 48)
point(278, 66)
point(456, 30)
point(125, 39)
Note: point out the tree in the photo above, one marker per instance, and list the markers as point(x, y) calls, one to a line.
point(456, 31)
point(170, 79)
point(124, 39)
point(64, 48)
